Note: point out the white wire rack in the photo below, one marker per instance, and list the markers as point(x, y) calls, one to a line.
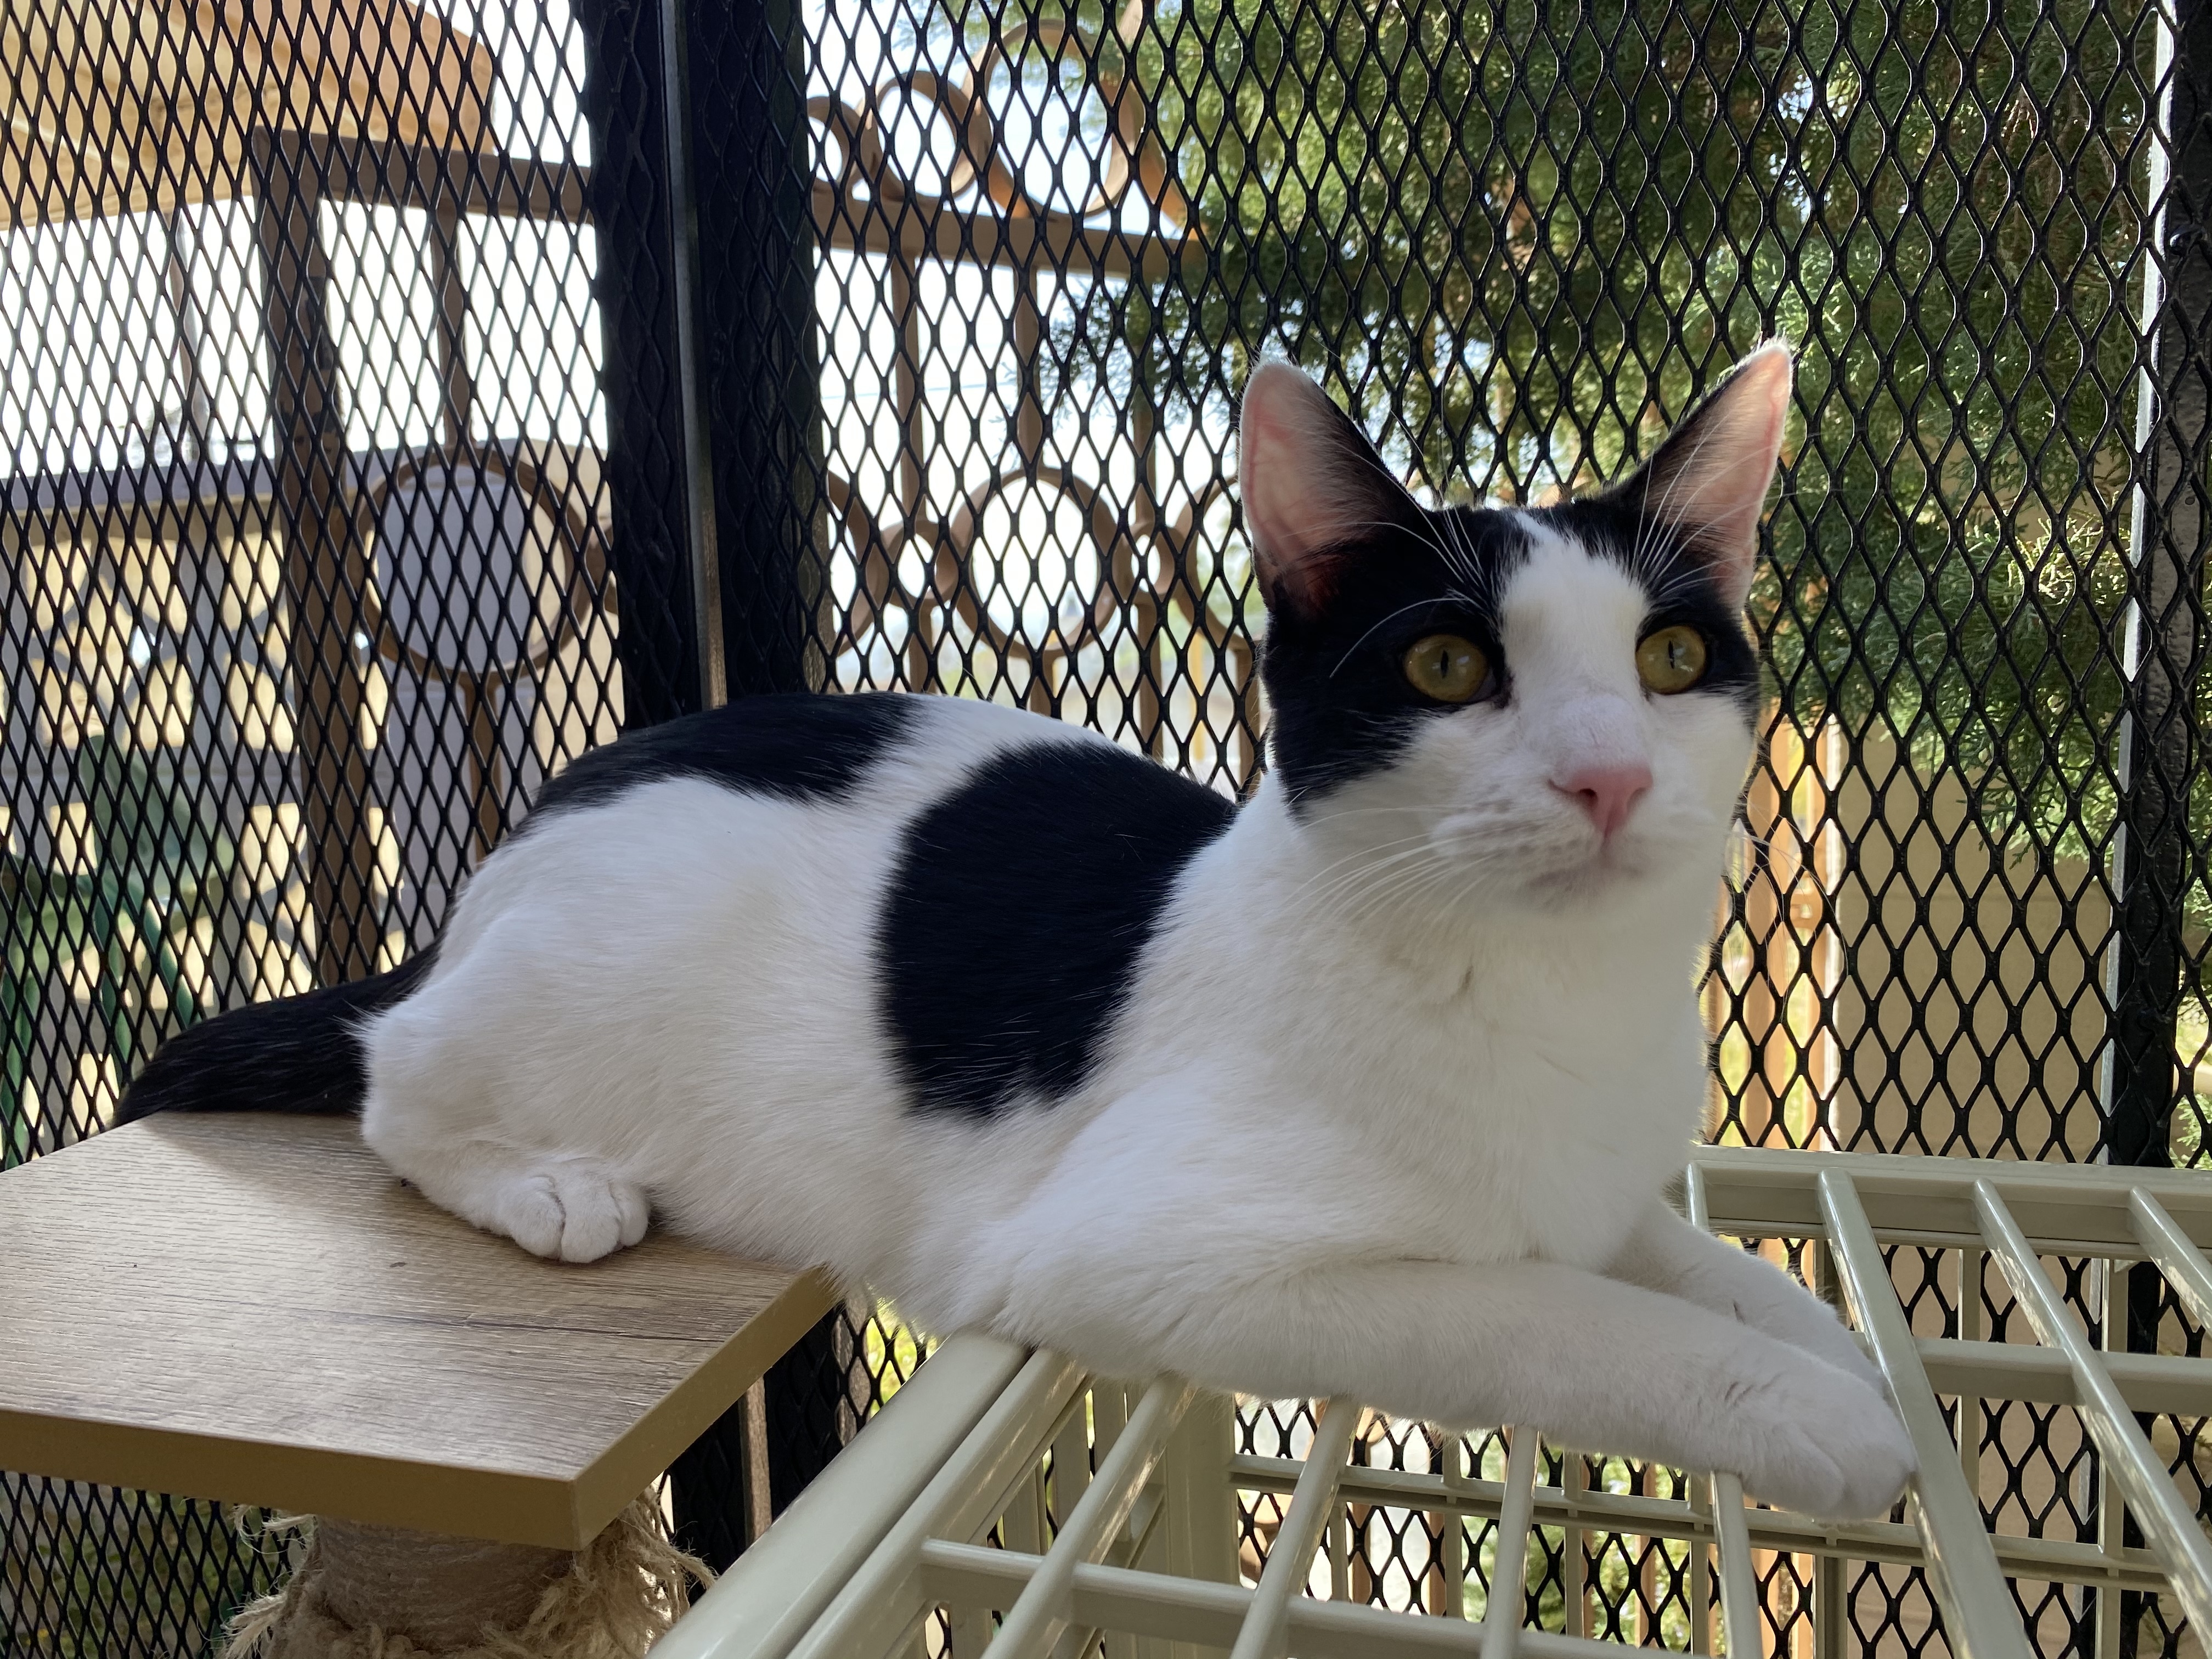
point(940, 1505)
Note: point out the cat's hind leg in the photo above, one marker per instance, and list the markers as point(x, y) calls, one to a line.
point(573, 1209)
point(437, 1113)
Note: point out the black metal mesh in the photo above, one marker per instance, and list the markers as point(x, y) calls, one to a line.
point(306, 581)
point(366, 369)
point(1052, 240)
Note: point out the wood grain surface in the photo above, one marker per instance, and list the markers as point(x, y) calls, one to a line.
point(250, 1307)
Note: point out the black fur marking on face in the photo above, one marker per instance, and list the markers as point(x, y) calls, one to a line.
point(1012, 927)
point(796, 746)
point(1679, 581)
point(1335, 677)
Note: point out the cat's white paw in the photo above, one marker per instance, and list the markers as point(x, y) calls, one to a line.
point(1794, 1316)
point(1834, 1343)
point(575, 1212)
point(1826, 1444)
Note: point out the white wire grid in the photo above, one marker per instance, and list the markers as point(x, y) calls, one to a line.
point(932, 1534)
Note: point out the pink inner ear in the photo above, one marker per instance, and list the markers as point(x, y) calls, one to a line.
point(1285, 515)
point(1308, 482)
point(1711, 480)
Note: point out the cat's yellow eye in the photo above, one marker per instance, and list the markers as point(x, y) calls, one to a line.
point(1446, 667)
point(1671, 659)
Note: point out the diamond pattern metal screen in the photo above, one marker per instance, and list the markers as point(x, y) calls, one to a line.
point(403, 397)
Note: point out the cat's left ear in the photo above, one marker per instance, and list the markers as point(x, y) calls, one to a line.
point(1313, 489)
point(1709, 480)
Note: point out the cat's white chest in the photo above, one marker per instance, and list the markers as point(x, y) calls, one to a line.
point(1498, 1126)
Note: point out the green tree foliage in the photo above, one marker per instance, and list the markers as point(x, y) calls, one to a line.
point(1521, 237)
point(155, 862)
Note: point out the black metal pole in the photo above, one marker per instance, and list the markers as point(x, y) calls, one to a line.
point(652, 459)
point(702, 195)
point(757, 244)
point(659, 480)
point(2158, 752)
point(764, 373)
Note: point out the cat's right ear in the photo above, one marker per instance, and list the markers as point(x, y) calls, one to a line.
point(1313, 489)
point(1708, 482)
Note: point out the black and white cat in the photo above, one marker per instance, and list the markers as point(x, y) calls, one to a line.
point(1370, 1086)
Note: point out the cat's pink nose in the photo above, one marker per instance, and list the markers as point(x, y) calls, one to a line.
point(1608, 793)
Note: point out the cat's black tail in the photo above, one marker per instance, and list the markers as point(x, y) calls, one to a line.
point(297, 1054)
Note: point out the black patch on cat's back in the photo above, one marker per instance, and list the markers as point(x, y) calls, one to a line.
point(1014, 920)
point(797, 747)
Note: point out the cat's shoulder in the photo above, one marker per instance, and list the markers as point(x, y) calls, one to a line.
point(1017, 913)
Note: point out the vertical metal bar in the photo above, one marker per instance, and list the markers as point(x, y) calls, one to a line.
point(2157, 746)
point(1969, 1330)
point(1109, 1408)
point(449, 329)
point(1701, 1594)
point(325, 563)
point(180, 243)
point(698, 462)
point(741, 177)
point(939, 587)
point(1041, 1611)
point(2111, 1507)
point(1070, 1466)
point(1265, 1633)
point(1110, 1412)
point(755, 244)
point(1741, 1615)
point(1962, 1567)
point(2173, 1252)
point(1142, 574)
point(1646, 1552)
point(1574, 1564)
point(1578, 1610)
point(2128, 1462)
point(1508, 1572)
point(1021, 1528)
point(1198, 1528)
point(1451, 1540)
point(972, 1630)
point(651, 432)
point(1831, 1630)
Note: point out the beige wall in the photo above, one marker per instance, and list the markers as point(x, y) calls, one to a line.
point(1920, 982)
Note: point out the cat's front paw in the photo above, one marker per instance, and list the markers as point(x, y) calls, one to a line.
point(1795, 1315)
point(573, 1214)
point(1829, 1445)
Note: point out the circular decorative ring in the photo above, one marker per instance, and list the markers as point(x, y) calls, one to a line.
point(583, 581)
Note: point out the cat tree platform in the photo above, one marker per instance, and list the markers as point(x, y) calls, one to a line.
point(251, 1308)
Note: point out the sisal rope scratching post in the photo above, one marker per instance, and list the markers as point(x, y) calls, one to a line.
point(369, 1592)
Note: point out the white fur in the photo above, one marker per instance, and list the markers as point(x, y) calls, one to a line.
point(1389, 1112)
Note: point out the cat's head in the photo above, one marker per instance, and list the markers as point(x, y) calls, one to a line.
point(1545, 704)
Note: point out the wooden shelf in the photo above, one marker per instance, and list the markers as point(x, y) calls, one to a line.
point(251, 1308)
